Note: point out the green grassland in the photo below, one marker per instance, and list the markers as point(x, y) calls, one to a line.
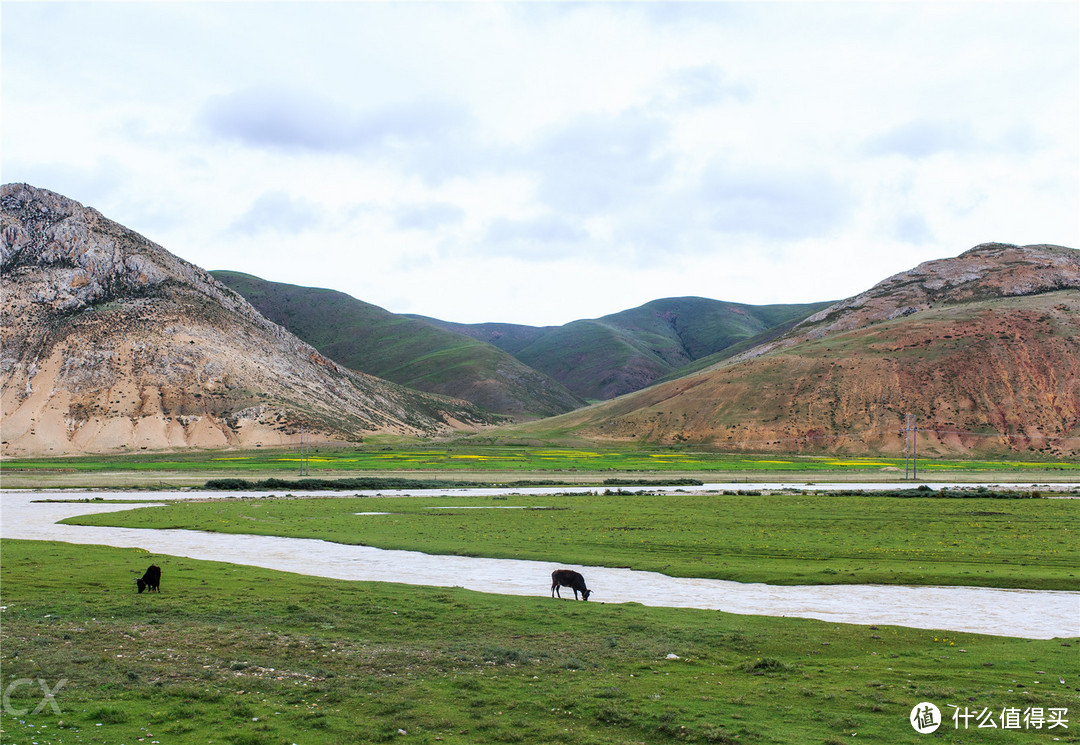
point(605, 357)
point(413, 353)
point(500, 462)
point(779, 538)
point(237, 655)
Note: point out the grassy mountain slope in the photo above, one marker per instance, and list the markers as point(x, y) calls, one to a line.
point(405, 350)
point(509, 337)
point(984, 349)
point(739, 347)
point(623, 352)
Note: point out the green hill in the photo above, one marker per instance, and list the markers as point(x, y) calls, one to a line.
point(623, 352)
point(405, 350)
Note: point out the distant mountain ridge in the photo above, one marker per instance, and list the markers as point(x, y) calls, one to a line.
point(626, 351)
point(410, 352)
point(110, 343)
point(984, 349)
point(522, 371)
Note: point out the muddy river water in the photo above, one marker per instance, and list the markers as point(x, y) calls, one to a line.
point(1034, 614)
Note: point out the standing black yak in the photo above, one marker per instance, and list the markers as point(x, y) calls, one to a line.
point(569, 578)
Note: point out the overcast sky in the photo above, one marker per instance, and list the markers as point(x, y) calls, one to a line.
point(541, 162)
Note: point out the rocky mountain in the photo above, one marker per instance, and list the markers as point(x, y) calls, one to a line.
point(111, 344)
point(405, 350)
point(606, 357)
point(984, 349)
point(988, 271)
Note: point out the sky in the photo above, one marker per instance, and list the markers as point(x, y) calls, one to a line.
point(541, 162)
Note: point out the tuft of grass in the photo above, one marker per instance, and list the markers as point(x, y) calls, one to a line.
point(764, 665)
point(108, 715)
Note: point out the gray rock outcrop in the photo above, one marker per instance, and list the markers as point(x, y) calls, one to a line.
point(111, 343)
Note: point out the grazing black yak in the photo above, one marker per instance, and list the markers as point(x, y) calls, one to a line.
point(151, 580)
point(569, 578)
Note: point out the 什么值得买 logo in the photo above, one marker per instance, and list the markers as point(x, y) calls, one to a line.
point(925, 718)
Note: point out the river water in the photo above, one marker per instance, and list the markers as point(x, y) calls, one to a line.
point(1034, 614)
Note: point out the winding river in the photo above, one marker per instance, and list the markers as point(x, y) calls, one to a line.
point(1034, 614)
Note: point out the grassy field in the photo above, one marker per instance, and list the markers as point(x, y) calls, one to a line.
point(502, 463)
point(238, 655)
point(778, 538)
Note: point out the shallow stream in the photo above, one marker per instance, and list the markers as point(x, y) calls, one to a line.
point(1034, 614)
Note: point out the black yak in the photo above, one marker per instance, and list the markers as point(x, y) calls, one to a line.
point(569, 578)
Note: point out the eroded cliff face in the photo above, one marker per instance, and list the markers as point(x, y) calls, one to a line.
point(110, 343)
point(987, 271)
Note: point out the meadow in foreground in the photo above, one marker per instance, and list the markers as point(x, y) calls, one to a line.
point(233, 654)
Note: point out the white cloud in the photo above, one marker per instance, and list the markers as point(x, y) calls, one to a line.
point(430, 216)
point(543, 238)
point(781, 205)
point(277, 117)
point(279, 212)
point(912, 228)
point(543, 162)
point(919, 139)
point(600, 163)
point(703, 85)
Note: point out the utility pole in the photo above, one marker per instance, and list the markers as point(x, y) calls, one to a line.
point(914, 449)
point(910, 448)
point(907, 447)
point(302, 464)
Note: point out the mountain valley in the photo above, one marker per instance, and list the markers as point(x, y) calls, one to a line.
point(112, 344)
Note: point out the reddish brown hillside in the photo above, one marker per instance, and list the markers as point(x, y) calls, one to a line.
point(990, 375)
